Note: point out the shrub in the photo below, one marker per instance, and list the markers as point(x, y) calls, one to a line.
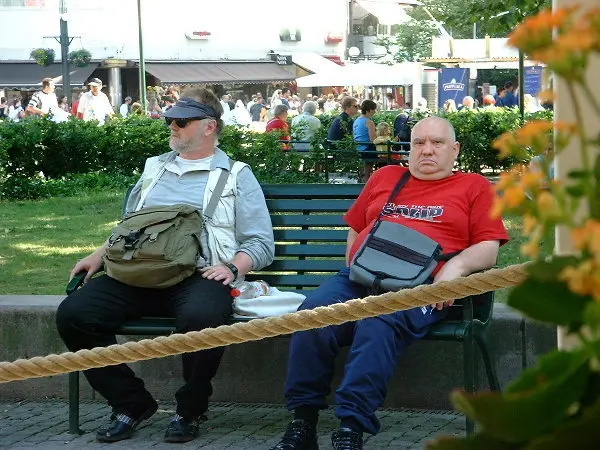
point(43, 150)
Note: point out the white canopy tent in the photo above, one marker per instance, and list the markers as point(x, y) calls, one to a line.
point(367, 74)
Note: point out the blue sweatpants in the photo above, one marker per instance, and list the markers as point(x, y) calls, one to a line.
point(375, 346)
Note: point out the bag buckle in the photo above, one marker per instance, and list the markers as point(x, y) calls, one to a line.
point(132, 239)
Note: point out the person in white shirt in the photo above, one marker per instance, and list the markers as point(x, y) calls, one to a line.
point(94, 105)
point(124, 108)
point(43, 102)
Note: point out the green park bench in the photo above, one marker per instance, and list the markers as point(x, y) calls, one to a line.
point(310, 244)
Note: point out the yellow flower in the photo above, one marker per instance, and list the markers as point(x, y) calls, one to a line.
point(529, 223)
point(531, 249)
point(548, 206)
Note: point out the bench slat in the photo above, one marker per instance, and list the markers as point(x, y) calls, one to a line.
point(328, 205)
point(285, 281)
point(311, 235)
point(310, 220)
point(312, 190)
point(306, 265)
point(310, 250)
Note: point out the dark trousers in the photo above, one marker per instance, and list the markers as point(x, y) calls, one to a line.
point(375, 346)
point(90, 316)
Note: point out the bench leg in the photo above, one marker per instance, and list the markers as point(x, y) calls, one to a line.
point(74, 403)
point(488, 360)
point(469, 373)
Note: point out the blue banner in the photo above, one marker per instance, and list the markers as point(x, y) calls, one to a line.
point(453, 84)
point(533, 80)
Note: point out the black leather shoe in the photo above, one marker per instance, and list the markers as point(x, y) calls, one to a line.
point(122, 426)
point(347, 439)
point(182, 429)
point(300, 435)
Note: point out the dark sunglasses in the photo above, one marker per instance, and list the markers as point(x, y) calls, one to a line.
point(182, 123)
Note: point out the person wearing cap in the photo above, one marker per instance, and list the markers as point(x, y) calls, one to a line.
point(94, 105)
point(124, 108)
point(238, 238)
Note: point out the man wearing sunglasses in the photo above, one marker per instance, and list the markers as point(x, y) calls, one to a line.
point(236, 239)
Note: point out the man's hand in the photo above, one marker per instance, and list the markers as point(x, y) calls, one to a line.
point(448, 272)
point(219, 272)
point(90, 263)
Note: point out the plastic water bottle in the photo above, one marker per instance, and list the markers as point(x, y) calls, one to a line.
point(250, 289)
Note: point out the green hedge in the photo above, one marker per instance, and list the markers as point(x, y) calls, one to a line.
point(38, 156)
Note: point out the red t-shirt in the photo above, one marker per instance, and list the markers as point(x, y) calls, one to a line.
point(276, 124)
point(453, 211)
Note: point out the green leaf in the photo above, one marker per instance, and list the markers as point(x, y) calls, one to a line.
point(521, 414)
point(476, 442)
point(548, 301)
point(581, 433)
point(578, 174)
point(551, 269)
point(575, 190)
point(591, 316)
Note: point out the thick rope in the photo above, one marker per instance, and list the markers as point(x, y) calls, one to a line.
point(257, 329)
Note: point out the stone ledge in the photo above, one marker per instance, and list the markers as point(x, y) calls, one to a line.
point(254, 372)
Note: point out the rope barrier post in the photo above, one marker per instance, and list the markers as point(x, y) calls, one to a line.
point(74, 403)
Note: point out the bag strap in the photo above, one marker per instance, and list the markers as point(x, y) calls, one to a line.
point(403, 180)
point(216, 194)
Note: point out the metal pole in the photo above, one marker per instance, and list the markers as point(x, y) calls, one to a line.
point(522, 86)
point(142, 74)
point(64, 50)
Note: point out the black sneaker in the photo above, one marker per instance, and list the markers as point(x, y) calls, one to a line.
point(121, 425)
point(182, 429)
point(298, 436)
point(347, 439)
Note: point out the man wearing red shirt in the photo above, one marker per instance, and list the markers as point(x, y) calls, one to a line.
point(451, 208)
point(278, 123)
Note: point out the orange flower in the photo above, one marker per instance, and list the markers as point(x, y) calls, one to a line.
point(532, 179)
point(587, 237)
point(513, 196)
point(535, 33)
point(583, 279)
point(497, 208)
point(548, 206)
point(505, 144)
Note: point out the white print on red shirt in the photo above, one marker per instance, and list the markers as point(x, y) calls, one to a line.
point(415, 212)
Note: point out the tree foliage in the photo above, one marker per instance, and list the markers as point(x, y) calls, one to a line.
point(411, 41)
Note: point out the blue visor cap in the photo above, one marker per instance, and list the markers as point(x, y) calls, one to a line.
point(186, 108)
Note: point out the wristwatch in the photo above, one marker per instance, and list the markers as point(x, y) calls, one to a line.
point(233, 269)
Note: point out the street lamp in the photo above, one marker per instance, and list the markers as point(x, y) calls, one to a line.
point(64, 50)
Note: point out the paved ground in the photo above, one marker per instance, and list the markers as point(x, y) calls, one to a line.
point(43, 425)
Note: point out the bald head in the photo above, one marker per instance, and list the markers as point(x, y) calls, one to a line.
point(433, 149)
point(439, 121)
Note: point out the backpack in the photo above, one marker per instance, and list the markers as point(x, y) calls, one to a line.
point(155, 247)
point(402, 128)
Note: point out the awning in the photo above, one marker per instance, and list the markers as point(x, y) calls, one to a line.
point(30, 74)
point(367, 74)
point(388, 12)
point(218, 73)
point(313, 62)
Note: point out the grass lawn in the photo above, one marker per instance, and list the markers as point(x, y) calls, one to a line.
point(41, 240)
